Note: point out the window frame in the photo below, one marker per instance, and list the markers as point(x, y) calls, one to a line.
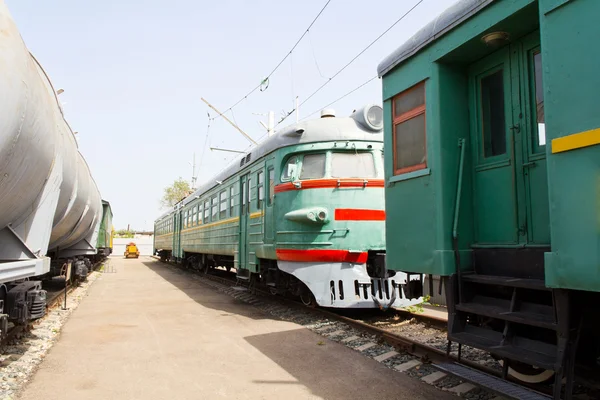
point(285, 164)
point(232, 200)
point(249, 200)
point(260, 189)
point(214, 209)
point(406, 116)
point(223, 202)
point(206, 214)
point(271, 179)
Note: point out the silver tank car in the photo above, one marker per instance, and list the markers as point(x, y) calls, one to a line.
point(48, 199)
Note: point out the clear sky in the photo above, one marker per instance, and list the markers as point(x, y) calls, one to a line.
point(134, 72)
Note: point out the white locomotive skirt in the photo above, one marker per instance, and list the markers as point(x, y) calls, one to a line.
point(347, 285)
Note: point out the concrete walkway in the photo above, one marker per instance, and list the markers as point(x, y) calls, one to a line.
point(145, 332)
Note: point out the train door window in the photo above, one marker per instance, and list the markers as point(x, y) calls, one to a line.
point(249, 200)
point(409, 139)
point(223, 204)
point(195, 215)
point(244, 196)
point(232, 201)
point(313, 166)
point(215, 207)
point(260, 189)
point(492, 109)
point(539, 99)
point(352, 165)
point(206, 211)
point(289, 170)
point(185, 218)
point(271, 172)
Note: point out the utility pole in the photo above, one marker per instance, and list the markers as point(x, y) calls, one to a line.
point(194, 177)
point(232, 124)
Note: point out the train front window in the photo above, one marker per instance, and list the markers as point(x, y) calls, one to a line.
point(313, 166)
point(289, 170)
point(352, 165)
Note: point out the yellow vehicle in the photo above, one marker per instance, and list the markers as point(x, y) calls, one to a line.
point(131, 251)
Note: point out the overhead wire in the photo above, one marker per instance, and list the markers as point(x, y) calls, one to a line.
point(315, 57)
point(265, 80)
point(341, 97)
point(351, 61)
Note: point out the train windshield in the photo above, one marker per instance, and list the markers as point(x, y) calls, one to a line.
point(352, 165)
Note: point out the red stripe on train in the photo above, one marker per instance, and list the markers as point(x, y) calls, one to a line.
point(321, 256)
point(329, 183)
point(356, 214)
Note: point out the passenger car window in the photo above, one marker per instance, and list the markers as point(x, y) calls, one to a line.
point(222, 204)
point(352, 165)
point(408, 137)
point(313, 166)
point(289, 170)
point(232, 201)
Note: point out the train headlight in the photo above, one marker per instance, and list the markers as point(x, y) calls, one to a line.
point(308, 215)
point(370, 117)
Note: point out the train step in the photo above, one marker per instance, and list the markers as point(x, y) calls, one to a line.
point(530, 352)
point(535, 284)
point(502, 312)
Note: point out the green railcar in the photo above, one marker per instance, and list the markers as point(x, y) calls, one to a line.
point(105, 233)
point(493, 176)
point(303, 212)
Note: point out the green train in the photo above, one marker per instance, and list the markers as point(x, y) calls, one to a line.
point(493, 178)
point(302, 214)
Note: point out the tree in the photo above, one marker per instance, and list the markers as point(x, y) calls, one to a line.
point(123, 233)
point(175, 193)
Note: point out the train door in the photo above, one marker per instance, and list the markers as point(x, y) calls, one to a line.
point(244, 194)
point(176, 233)
point(268, 228)
point(510, 196)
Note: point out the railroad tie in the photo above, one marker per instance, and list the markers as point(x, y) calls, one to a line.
point(385, 356)
point(366, 346)
point(407, 365)
point(349, 339)
point(462, 388)
point(434, 377)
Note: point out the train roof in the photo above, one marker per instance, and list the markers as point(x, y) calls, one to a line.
point(442, 24)
point(316, 130)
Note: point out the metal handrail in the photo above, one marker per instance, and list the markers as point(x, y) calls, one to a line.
point(461, 144)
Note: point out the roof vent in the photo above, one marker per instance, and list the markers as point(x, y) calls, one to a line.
point(328, 113)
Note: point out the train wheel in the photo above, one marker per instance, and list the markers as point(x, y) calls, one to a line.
point(528, 373)
point(307, 298)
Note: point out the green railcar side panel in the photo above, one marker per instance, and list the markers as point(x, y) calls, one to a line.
point(420, 205)
point(104, 232)
point(569, 34)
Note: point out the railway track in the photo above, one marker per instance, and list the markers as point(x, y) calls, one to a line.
point(471, 376)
